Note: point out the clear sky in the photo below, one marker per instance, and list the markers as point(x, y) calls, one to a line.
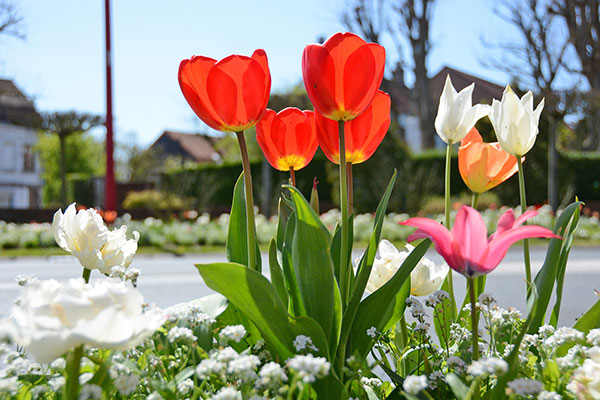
point(60, 64)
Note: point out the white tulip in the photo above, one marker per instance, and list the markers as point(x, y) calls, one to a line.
point(51, 318)
point(425, 278)
point(84, 235)
point(516, 122)
point(456, 114)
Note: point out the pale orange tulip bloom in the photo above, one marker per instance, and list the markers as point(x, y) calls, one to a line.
point(484, 166)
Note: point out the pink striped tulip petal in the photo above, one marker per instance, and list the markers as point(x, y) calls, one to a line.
point(467, 249)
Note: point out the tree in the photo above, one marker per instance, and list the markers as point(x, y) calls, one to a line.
point(536, 61)
point(10, 20)
point(582, 18)
point(64, 125)
point(406, 20)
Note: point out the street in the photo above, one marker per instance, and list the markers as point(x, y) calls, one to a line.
point(166, 280)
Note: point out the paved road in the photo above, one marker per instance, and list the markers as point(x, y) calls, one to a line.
point(167, 280)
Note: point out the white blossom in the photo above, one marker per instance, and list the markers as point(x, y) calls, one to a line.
point(185, 387)
point(487, 366)
point(413, 384)
point(525, 386)
point(309, 367)
point(302, 343)
point(126, 384)
point(271, 374)
point(227, 393)
point(232, 332)
point(90, 392)
point(180, 333)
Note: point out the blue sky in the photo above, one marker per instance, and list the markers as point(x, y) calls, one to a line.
point(60, 64)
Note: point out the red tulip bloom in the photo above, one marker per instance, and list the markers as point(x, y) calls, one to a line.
point(363, 134)
point(342, 75)
point(230, 95)
point(288, 138)
point(466, 248)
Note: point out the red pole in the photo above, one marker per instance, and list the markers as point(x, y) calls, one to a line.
point(110, 191)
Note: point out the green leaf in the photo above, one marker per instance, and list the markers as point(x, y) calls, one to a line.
point(366, 262)
point(283, 213)
point(458, 387)
point(254, 296)
point(590, 319)
point(312, 262)
point(314, 197)
point(296, 306)
point(277, 274)
point(383, 308)
point(335, 248)
point(237, 240)
point(562, 265)
point(547, 275)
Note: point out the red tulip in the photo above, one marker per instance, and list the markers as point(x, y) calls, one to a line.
point(230, 95)
point(342, 75)
point(466, 248)
point(288, 138)
point(363, 134)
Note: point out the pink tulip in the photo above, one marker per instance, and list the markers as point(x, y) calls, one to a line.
point(466, 248)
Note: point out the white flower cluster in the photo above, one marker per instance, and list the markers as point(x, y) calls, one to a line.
point(487, 366)
point(180, 333)
point(304, 343)
point(413, 384)
point(309, 367)
point(233, 333)
point(526, 387)
point(585, 381)
point(271, 375)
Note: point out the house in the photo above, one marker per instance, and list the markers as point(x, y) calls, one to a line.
point(186, 147)
point(20, 170)
point(407, 111)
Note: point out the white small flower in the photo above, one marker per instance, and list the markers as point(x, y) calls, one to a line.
point(302, 343)
point(372, 332)
point(544, 395)
point(226, 355)
point(154, 396)
point(593, 337)
point(243, 364)
point(487, 366)
point(185, 387)
point(90, 392)
point(456, 364)
point(372, 382)
point(585, 381)
point(413, 384)
point(56, 383)
point(180, 333)
point(456, 115)
point(232, 332)
point(10, 385)
point(59, 364)
point(515, 121)
point(208, 367)
point(271, 374)
point(309, 367)
point(526, 387)
point(227, 393)
point(126, 384)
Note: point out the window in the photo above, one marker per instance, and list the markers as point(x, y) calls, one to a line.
point(28, 158)
point(9, 159)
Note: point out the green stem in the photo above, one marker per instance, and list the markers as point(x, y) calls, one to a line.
point(447, 224)
point(475, 200)
point(474, 321)
point(350, 188)
point(524, 209)
point(293, 176)
point(72, 370)
point(249, 202)
point(404, 341)
point(344, 210)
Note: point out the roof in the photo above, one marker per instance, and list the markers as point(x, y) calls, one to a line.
point(15, 107)
point(197, 147)
point(484, 90)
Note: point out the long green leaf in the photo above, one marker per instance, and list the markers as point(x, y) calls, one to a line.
point(366, 262)
point(277, 274)
point(383, 308)
point(296, 306)
point(547, 275)
point(568, 238)
point(237, 240)
point(254, 295)
point(590, 319)
point(312, 263)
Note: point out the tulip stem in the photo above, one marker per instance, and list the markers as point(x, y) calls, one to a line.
point(474, 320)
point(72, 370)
point(293, 176)
point(523, 210)
point(449, 281)
point(350, 188)
point(86, 275)
point(249, 202)
point(475, 200)
point(344, 209)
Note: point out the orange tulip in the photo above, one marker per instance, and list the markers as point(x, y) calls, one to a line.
point(363, 134)
point(484, 165)
point(288, 138)
point(342, 75)
point(230, 95)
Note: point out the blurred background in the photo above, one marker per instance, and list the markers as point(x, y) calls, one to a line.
point(168, 164)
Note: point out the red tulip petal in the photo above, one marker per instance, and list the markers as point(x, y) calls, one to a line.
point(193, 74)
point(265, 138)
point(368, 130)
point(318, 72)
point(328, 137)
point(362, 75)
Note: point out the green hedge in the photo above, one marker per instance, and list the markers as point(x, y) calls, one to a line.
point(420, 176)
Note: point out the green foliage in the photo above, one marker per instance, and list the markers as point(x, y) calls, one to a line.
point(155, 201)
point(84, 157)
